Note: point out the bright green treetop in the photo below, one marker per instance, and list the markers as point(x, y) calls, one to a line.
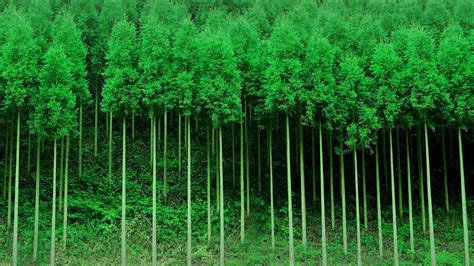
point(456, 64)
point(185, 61)
point(219, 82)
point(68, 36)
point(18, 61)
point(54, 115)
point(285, 72)
point(120, 94)
point(155, 63)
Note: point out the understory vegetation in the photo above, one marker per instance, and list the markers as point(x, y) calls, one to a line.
point(236, 132)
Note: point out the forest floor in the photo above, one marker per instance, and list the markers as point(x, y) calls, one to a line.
point(91, 245)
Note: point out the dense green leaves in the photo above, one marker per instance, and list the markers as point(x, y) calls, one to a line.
point(121, 94)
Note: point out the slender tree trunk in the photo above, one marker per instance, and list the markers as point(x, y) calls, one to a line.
point(364, 192)
point(384, 158)
point(208, 187)
point(410, 204)
point(110, 145)
point(445, 172)
point(259, 167)
point(80, 144)
point(313, 165)
point(133, 126)
point(394, 204)
point(189, 248)
point(153, 248)
point(242, 190)
point(66, 188)
point(28, 160)
point(379, 211)
point(37, 192)
point(124, 192)
point(450, 139)
point(331, 182)
point(53, 213)
point(343, 193)
point(421, 179)
point(247, 158)
point(399, 172)
point(290, 204)
point(151, 141)
point(272, 210)
point(179, 143)
point(323, 211)
point(217, 171)
point(463, 201)
point(10, 177)
point(17, 192)
point(221, 172)
point(430, 207)
point(61, 170)
point(356, 184)
point(5, 162)
point(303, 190)
point(233, 156)
point(96, 121)
point(165, 152)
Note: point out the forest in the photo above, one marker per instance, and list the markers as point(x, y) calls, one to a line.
point(240, 132)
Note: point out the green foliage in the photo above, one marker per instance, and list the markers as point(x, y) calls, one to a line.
point(121, 94)
point(54, 115)
point(18, 61)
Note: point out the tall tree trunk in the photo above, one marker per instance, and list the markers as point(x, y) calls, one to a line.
point(133, 126)
point(445, 172)
point(421, 179)
point(80, 143)
point(53, 212)
point(208, 186)
point(217, 171)
point(356, 184)
point(323, 211)
point(364, 192)
point(151, 140)
point(96, 121)
point(10, 177)
point(188, 136)
point(153, 248)
point(343, 193)
point(124, 192)
point(399, 172)
point(272, 210)
point(165, 153)
point(430, 207)
point(179, 143)
point(331, 182)
point(61, 171)
point(17, 192)
point(247, 158)
point(110, 144)
point(28, 160)
point(242, 190)
point(259, 167)
point(37, 192)
point(5, 162)
point(410, 204)
point(313, 165)
point(66, 188)
point(290, 204)
point(384, 158)
point(394, 204)
point(233, 156)
point(379, 211)
point(463, 201)
point(303, 190)
point(221, 173)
